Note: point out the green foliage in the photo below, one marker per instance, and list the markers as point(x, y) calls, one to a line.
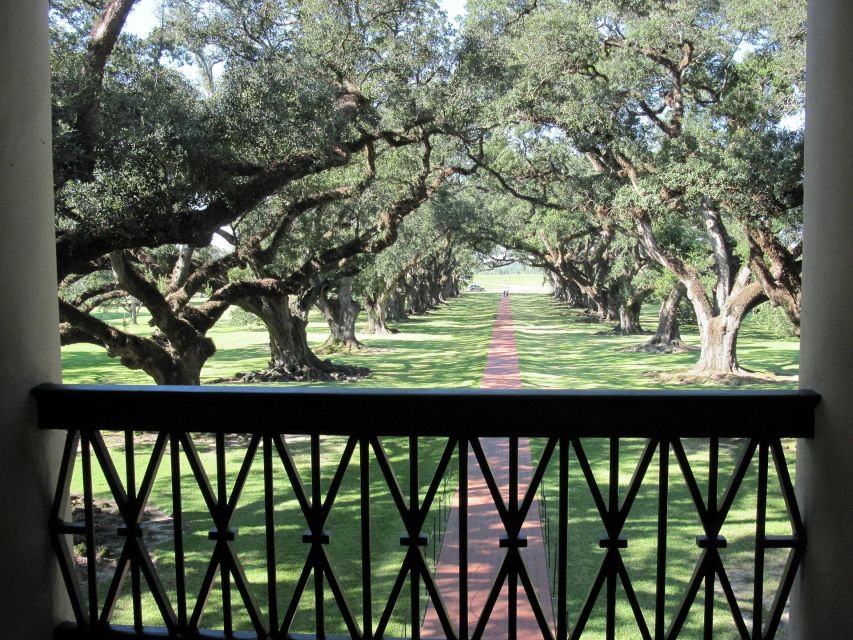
point(240, 318)
point(582, 118)
point(772, 320)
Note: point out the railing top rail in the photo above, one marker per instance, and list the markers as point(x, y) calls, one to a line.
point(428, 412)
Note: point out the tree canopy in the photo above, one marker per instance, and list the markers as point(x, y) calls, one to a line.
point(355, 154)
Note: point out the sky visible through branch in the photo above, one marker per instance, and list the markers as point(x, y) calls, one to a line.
point(146, 13)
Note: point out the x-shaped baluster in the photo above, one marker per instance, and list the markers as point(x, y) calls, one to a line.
point(512, 517)
point(614, 517)
point(414, 516)
point(796, 542)
point(60, 529)
point(221, 508)
point(709, 565)
point(131, 509)
point(316, 513)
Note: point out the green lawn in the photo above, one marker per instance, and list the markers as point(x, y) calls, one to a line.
point(559, 349)
point(443, 349)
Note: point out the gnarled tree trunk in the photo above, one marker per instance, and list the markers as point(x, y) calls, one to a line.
point(132, 306)
point(668, 335)
point(719, 345)
point(629, 319)
point(629, 314)
point(425, 291)
point(396, 310)
point(341, 313)
point(719, 316)
point(166, 363)
point(450, 288)
point(417, 305)
point(377, 315)
point(718, 331)
point(288, 333)
point(778, 269)
point(565, 290)
point(291, 358)
point(558, 292)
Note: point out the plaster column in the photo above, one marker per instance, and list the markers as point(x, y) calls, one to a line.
point(31, 601)
point(821, 602)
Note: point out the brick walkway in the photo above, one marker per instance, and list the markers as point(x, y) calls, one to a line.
point(502, 361)
point(484, 525)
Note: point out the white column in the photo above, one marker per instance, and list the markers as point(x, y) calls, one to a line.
point(821, 602)
point(31, 601)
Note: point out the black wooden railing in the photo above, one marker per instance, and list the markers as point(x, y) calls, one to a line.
point(102, 422)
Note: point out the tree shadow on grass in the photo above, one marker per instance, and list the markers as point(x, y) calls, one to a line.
point(558, 348)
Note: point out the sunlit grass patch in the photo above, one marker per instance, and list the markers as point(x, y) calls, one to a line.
point(445, 348)
point(560, 348)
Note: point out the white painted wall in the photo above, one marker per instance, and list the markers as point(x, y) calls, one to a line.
point(821, 602)
point(30, 599)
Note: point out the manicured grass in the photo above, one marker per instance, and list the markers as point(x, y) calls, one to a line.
point(558, 348)
point(445, 348)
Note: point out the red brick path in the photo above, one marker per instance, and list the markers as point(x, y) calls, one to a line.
point(484, 525)
point(502, 361)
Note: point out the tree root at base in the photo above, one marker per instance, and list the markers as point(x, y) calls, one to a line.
point(661, 348)
point(735, 379)
point(332, 347)
point(329, 372)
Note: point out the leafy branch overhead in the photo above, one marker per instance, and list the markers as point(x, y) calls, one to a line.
point(269, 156)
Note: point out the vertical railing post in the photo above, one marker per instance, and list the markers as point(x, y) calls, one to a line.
point(317, 515)
point(89, 514)
point(713, 533)
point(130, 471)
point(663, 515)
point(613, 510)
point(366, 582)
point(512, 576)
point(414, 577)
point(269, 528)
point(463, 538)
point(760, 543)
point(221, 507)
point(178, 530)
point(563, 542)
